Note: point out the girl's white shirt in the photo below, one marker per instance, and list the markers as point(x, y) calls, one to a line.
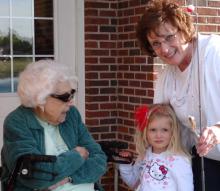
point(159, 172)
point(181, 90)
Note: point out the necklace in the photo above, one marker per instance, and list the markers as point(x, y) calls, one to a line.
point(181, 97)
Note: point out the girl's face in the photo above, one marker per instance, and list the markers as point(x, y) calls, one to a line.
point(159, 134)
point(170, 45)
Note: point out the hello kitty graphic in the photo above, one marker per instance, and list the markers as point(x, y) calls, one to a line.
point(157, 171)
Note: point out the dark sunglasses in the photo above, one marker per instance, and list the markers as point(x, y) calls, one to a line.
point(66, 97)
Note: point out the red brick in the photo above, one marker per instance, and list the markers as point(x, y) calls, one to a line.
point(106, 44)
point(91, 12)
point(108, 106)
point(214, 3)
point(134, 3)
point(140, 92)
point(128, 12)
point(95, 36)
point(96, 21)
point(91, 28)
point(213, 20)
point(92, 122)
point(208, 28)
point(108, 75)
point(108, 13)
point(134, 20)
point(95, 4)
point(128, 91)
point(91, 60)
point(207, 11)
point(97, 52)
point(91, 44)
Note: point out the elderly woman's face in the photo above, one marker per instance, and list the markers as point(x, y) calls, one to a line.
point(58, 104)
point(169, 44)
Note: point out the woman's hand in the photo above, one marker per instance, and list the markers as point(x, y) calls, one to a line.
point(209, 138)
point(82, 151)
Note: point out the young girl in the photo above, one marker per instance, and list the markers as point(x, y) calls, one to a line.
point(162, 164)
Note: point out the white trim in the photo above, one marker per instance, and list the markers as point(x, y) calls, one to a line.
point(80, 56)
point(69, 42)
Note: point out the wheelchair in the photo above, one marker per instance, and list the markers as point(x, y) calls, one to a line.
point(25, 164)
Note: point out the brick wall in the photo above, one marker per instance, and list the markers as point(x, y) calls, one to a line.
point(118, 75)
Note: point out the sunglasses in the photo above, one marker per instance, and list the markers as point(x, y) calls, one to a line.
point(66, 97)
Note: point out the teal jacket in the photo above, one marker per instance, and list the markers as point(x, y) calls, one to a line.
point(24, 135)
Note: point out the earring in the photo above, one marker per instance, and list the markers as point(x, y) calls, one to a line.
point(42, 108)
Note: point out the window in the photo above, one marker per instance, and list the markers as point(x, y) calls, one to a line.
point(26, 35)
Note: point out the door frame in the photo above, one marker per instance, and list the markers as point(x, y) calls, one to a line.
point(69, 43)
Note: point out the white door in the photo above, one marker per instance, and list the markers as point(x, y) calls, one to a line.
point(16, 21)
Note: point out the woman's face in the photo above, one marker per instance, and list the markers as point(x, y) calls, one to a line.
point(159, 134)
point(169, 44)
point(55, 109)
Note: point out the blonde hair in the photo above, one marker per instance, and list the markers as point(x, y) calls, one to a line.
point(157, 111)
point(39, 80)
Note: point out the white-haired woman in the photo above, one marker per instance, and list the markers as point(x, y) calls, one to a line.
point(47, 123)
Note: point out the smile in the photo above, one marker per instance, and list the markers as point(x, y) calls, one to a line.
point(171, 54)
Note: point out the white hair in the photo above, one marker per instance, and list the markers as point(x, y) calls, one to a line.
point(39, 80)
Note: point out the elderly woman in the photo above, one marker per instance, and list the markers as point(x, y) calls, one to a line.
point(190, 82)
point(47, 123)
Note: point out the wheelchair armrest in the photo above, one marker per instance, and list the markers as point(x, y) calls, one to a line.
point(112, 148)
point(1, 169)
point(24, 167)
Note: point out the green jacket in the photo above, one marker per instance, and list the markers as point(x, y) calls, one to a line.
point(23, 135)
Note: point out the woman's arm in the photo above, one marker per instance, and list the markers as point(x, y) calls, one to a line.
point(96, 163)
point(211, 68)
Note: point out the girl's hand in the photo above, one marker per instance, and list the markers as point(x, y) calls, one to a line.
point(125, 154)
point(126, 157)
point(82, 151)
point(210, 138)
